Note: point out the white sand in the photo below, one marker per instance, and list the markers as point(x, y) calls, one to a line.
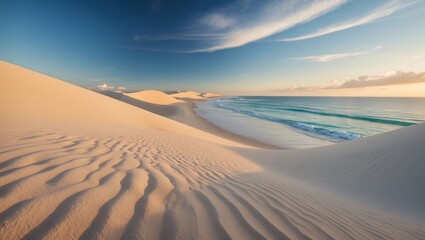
point(188, 95)
point(32, 98)
point(153, 96)
point(384, 171)
point(77, 164)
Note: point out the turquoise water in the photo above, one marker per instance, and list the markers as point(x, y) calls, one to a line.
point(330, 118)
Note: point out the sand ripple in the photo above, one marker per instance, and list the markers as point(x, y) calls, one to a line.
point(57, 185)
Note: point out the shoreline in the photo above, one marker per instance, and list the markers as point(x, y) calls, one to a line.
point(191, 118)
point(263, 132)
point(184, 112)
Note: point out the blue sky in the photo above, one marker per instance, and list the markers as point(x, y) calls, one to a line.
point(276, 47)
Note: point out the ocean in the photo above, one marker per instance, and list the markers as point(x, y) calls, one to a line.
point(329, 119)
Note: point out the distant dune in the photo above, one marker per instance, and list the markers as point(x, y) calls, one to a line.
point(193, 95)
point(188, 95)
point(153, 96)
point(75, 164)
point(32, 98)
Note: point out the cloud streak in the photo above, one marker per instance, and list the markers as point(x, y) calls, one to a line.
point(274, 20)
point(383, 11)
point(394, 79)
point(332, 57)
point(329, 57)
point(236, 26)
point(106, 87)
point(363, 82)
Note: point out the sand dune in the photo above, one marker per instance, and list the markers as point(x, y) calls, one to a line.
point(150, 105)
point(135, 187)
point(30, 98)
point(116, 171)
point(155, 97)
point(182, 111)
point(385, 170)
point(188, 95)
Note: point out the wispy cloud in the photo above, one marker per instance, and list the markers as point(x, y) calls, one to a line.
point(329, 57)
point(332, 57)
point(383, 11)
point(274, 20)
point(297, 88)
point(395, 78)
point(243, 76)
point(237, 26)
point(417, 55)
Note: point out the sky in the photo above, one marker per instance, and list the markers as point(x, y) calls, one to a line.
point(238, 47)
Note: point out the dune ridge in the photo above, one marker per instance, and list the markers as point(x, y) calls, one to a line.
point(30, 98)
point(137, 177)
point(385, 169)
point(188, 95)
point(155, 97)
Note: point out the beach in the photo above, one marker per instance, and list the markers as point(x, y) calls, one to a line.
point(78, 164)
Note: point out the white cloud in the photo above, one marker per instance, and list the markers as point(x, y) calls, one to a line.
point(334, 56)
point(329, 57)
point(106, 87)
point(383, 11)
point(386, 79)
point(274, 20)
point(243, 23)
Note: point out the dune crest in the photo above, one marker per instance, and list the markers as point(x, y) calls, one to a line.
point(385, 170)
point(155, 97)
point(30, 98)
point(188, 95)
